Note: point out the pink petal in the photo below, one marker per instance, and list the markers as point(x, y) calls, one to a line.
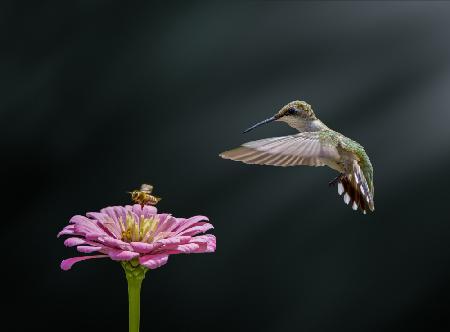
point(175, 240)
point(109, 212)
point(203, 238)
point(112, 220)
point(190, 222)
point(199, 228)
point(109, 224)
point(95, 236)
point(153, 261)
point(207, 243)
point(144, 248)
point(204, 245)
point(100, 216)
point(121, 255)
point(68, 230)
point(85, 225)
point(115, 243)
point(121, 214)
point(167, 223)
point(211, 246)
point(136, 209)
point(111, 228)
point(67, 263)
point(79, 220)
point(180, 249)
point(74, 241)
point(88, 249)
point(149, 211)
point(91, 229)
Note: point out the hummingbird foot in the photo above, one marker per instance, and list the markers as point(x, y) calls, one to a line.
point(336, 180)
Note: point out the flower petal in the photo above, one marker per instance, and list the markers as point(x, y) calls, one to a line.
point(199, 244)
point(68, 230)
point(207, 243)
point(74, 241)
point(100, 216)
point(175, 240)
point(95, 237)
point(190, 222)
point(79, 220)
point(115, 243)
point(67, 263)
point(121, 255)
point(198, 228)
point(153, 261)
point(206, 238)
point(149, 211)
point(86, 226)
point(106, 214)
point(167, 222)
point(108, 222)
point(144, 248)
point(180, 249)
point(88, 249)
point(138, 210)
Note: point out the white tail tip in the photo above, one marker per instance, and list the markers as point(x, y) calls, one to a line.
point(340, 188)
point(346, 198)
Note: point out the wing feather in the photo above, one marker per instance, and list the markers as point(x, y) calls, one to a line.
point(301, 149)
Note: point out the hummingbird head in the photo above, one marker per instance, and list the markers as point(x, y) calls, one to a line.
point(296, 114)
point(296, 109)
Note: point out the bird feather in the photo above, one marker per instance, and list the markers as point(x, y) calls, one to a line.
point(304, 148)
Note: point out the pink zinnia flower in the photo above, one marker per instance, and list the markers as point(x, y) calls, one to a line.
point(136, 233)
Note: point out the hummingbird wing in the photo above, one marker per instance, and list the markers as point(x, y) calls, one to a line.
point(355, 189)
point(305, 148)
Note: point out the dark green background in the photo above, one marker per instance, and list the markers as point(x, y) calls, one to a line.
point(98, 97)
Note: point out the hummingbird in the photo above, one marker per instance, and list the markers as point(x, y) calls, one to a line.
point(314, 145)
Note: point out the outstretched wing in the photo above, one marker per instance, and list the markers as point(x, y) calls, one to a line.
point(301, 149)
point(356, 190)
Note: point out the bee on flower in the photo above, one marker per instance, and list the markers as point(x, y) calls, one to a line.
point(137, 233)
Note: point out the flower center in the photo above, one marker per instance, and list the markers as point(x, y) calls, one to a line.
point(141, 231)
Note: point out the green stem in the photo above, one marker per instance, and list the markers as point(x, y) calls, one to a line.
point(135, 273)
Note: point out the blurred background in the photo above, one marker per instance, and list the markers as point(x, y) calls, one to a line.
point(98, 97)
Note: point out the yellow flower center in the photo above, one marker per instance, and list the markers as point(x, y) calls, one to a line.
point(141, 231)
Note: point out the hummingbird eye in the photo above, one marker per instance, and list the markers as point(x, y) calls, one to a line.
point(291, 111)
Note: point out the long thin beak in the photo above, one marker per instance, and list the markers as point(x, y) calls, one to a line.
point(273, 118)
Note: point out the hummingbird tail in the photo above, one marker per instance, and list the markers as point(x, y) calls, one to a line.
point(356, 191)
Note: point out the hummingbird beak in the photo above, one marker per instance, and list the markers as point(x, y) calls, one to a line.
point(273, 118)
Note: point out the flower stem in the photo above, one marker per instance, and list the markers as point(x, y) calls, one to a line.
point(135, 273)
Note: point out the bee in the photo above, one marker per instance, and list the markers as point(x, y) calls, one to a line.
point(143, 196)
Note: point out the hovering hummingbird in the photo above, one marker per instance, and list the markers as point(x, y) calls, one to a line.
point(314, 145)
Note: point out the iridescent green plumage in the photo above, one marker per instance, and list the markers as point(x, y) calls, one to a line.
point(337, 139)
